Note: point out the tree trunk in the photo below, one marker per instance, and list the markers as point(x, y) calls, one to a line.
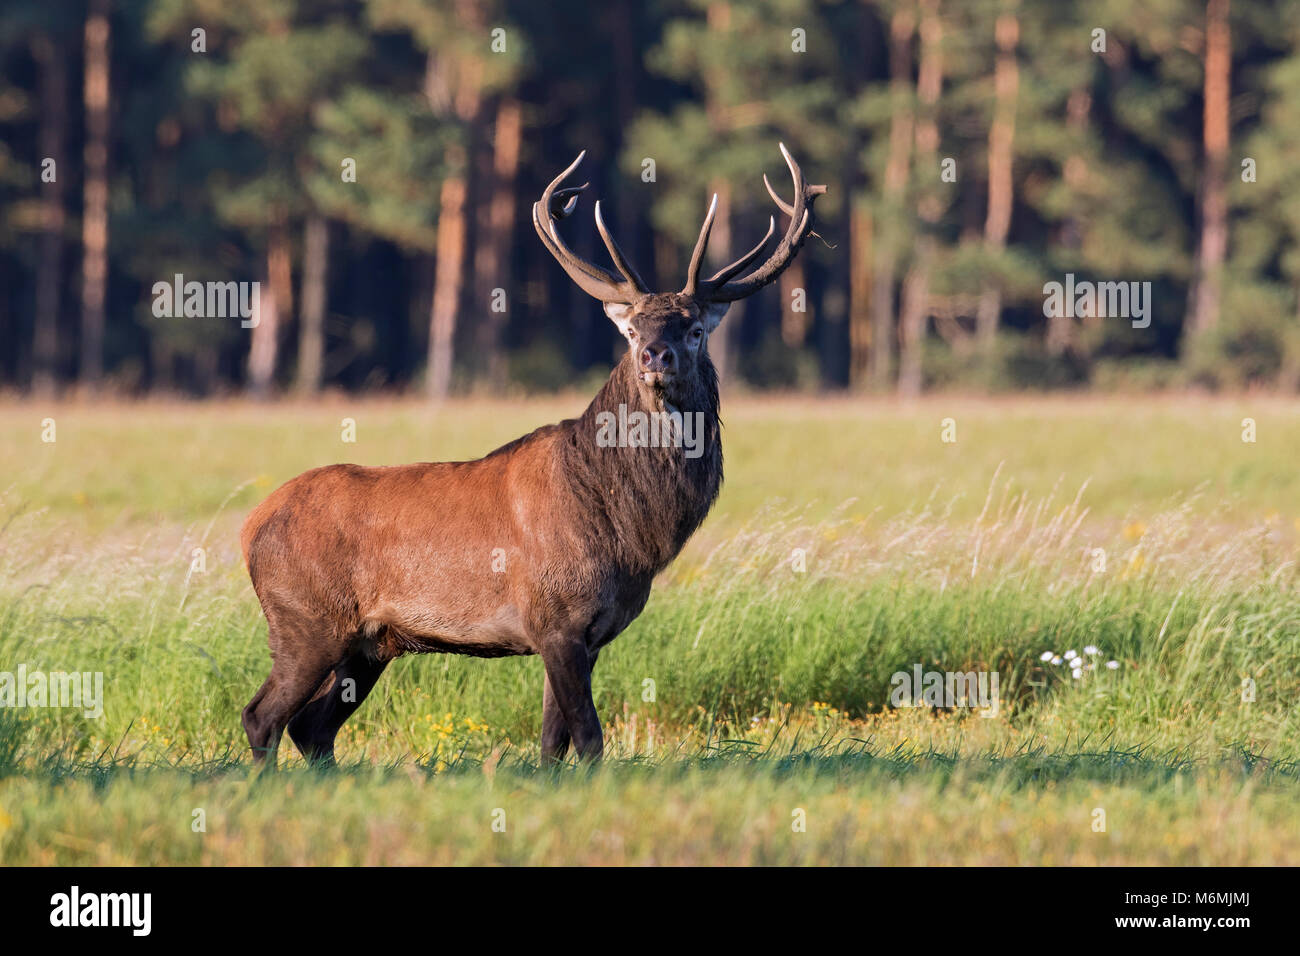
point(1006, 82)
point(1288, 375)
point(1060, 327)
point(447, 275)
point(718, 17)
point(53, 131)
point(720, 342)
point(315, 287)
point(94, 227)
point(916, 288)
point(794, 325)
point(492, 253)
point(860, 290)
point(453, 224)
point(1214, 189)
point(634, 231)
point(262, 345)
point(901, 28)
point(274, 303)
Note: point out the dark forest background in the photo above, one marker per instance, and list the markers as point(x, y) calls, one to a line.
point(1155, 141)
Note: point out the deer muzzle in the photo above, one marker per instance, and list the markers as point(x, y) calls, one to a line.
point(658, 363)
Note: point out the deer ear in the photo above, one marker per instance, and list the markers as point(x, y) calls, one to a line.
point(621, 314)
point(712, 314)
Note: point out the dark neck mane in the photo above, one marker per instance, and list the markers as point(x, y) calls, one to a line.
point(638, 505)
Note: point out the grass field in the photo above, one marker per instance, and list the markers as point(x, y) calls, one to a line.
point(748, 714)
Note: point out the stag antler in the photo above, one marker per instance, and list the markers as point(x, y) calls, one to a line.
point(721, 287)
point(596, 281)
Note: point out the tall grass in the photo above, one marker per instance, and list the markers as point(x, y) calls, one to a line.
point(782, 613)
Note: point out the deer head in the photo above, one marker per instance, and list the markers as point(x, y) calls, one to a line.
point(667, 333)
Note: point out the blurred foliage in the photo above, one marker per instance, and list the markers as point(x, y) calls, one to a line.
point(211, 148)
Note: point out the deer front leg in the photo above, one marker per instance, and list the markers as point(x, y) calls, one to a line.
point(555, 731)
point(568, 712)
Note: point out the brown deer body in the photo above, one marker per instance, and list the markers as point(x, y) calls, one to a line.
point(546, 546)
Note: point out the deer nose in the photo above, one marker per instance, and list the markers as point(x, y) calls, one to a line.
point(658, 357)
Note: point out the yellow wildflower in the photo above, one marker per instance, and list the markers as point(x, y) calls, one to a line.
point(1134, 530)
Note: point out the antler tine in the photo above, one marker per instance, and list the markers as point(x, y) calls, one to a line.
point(548, 194)
point(784, 206)
point(597, 282)
point(565, 201)
point(597, 286)
point(616, 253)
point(723, 274)
point(721, 288)
point(701, 245)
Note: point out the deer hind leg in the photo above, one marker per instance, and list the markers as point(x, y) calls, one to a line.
point(303, 656)
point(314, 728)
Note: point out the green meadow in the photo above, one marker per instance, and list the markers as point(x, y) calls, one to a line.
point(751, 712)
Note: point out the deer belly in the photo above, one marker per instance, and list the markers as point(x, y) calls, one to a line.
point(398, 629)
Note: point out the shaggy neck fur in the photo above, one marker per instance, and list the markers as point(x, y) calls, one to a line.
point(638, 506)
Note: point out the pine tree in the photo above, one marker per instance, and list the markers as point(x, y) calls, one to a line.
point(763, 72)
point(267, 70)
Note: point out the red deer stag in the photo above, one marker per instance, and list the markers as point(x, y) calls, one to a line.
point(546, 546)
